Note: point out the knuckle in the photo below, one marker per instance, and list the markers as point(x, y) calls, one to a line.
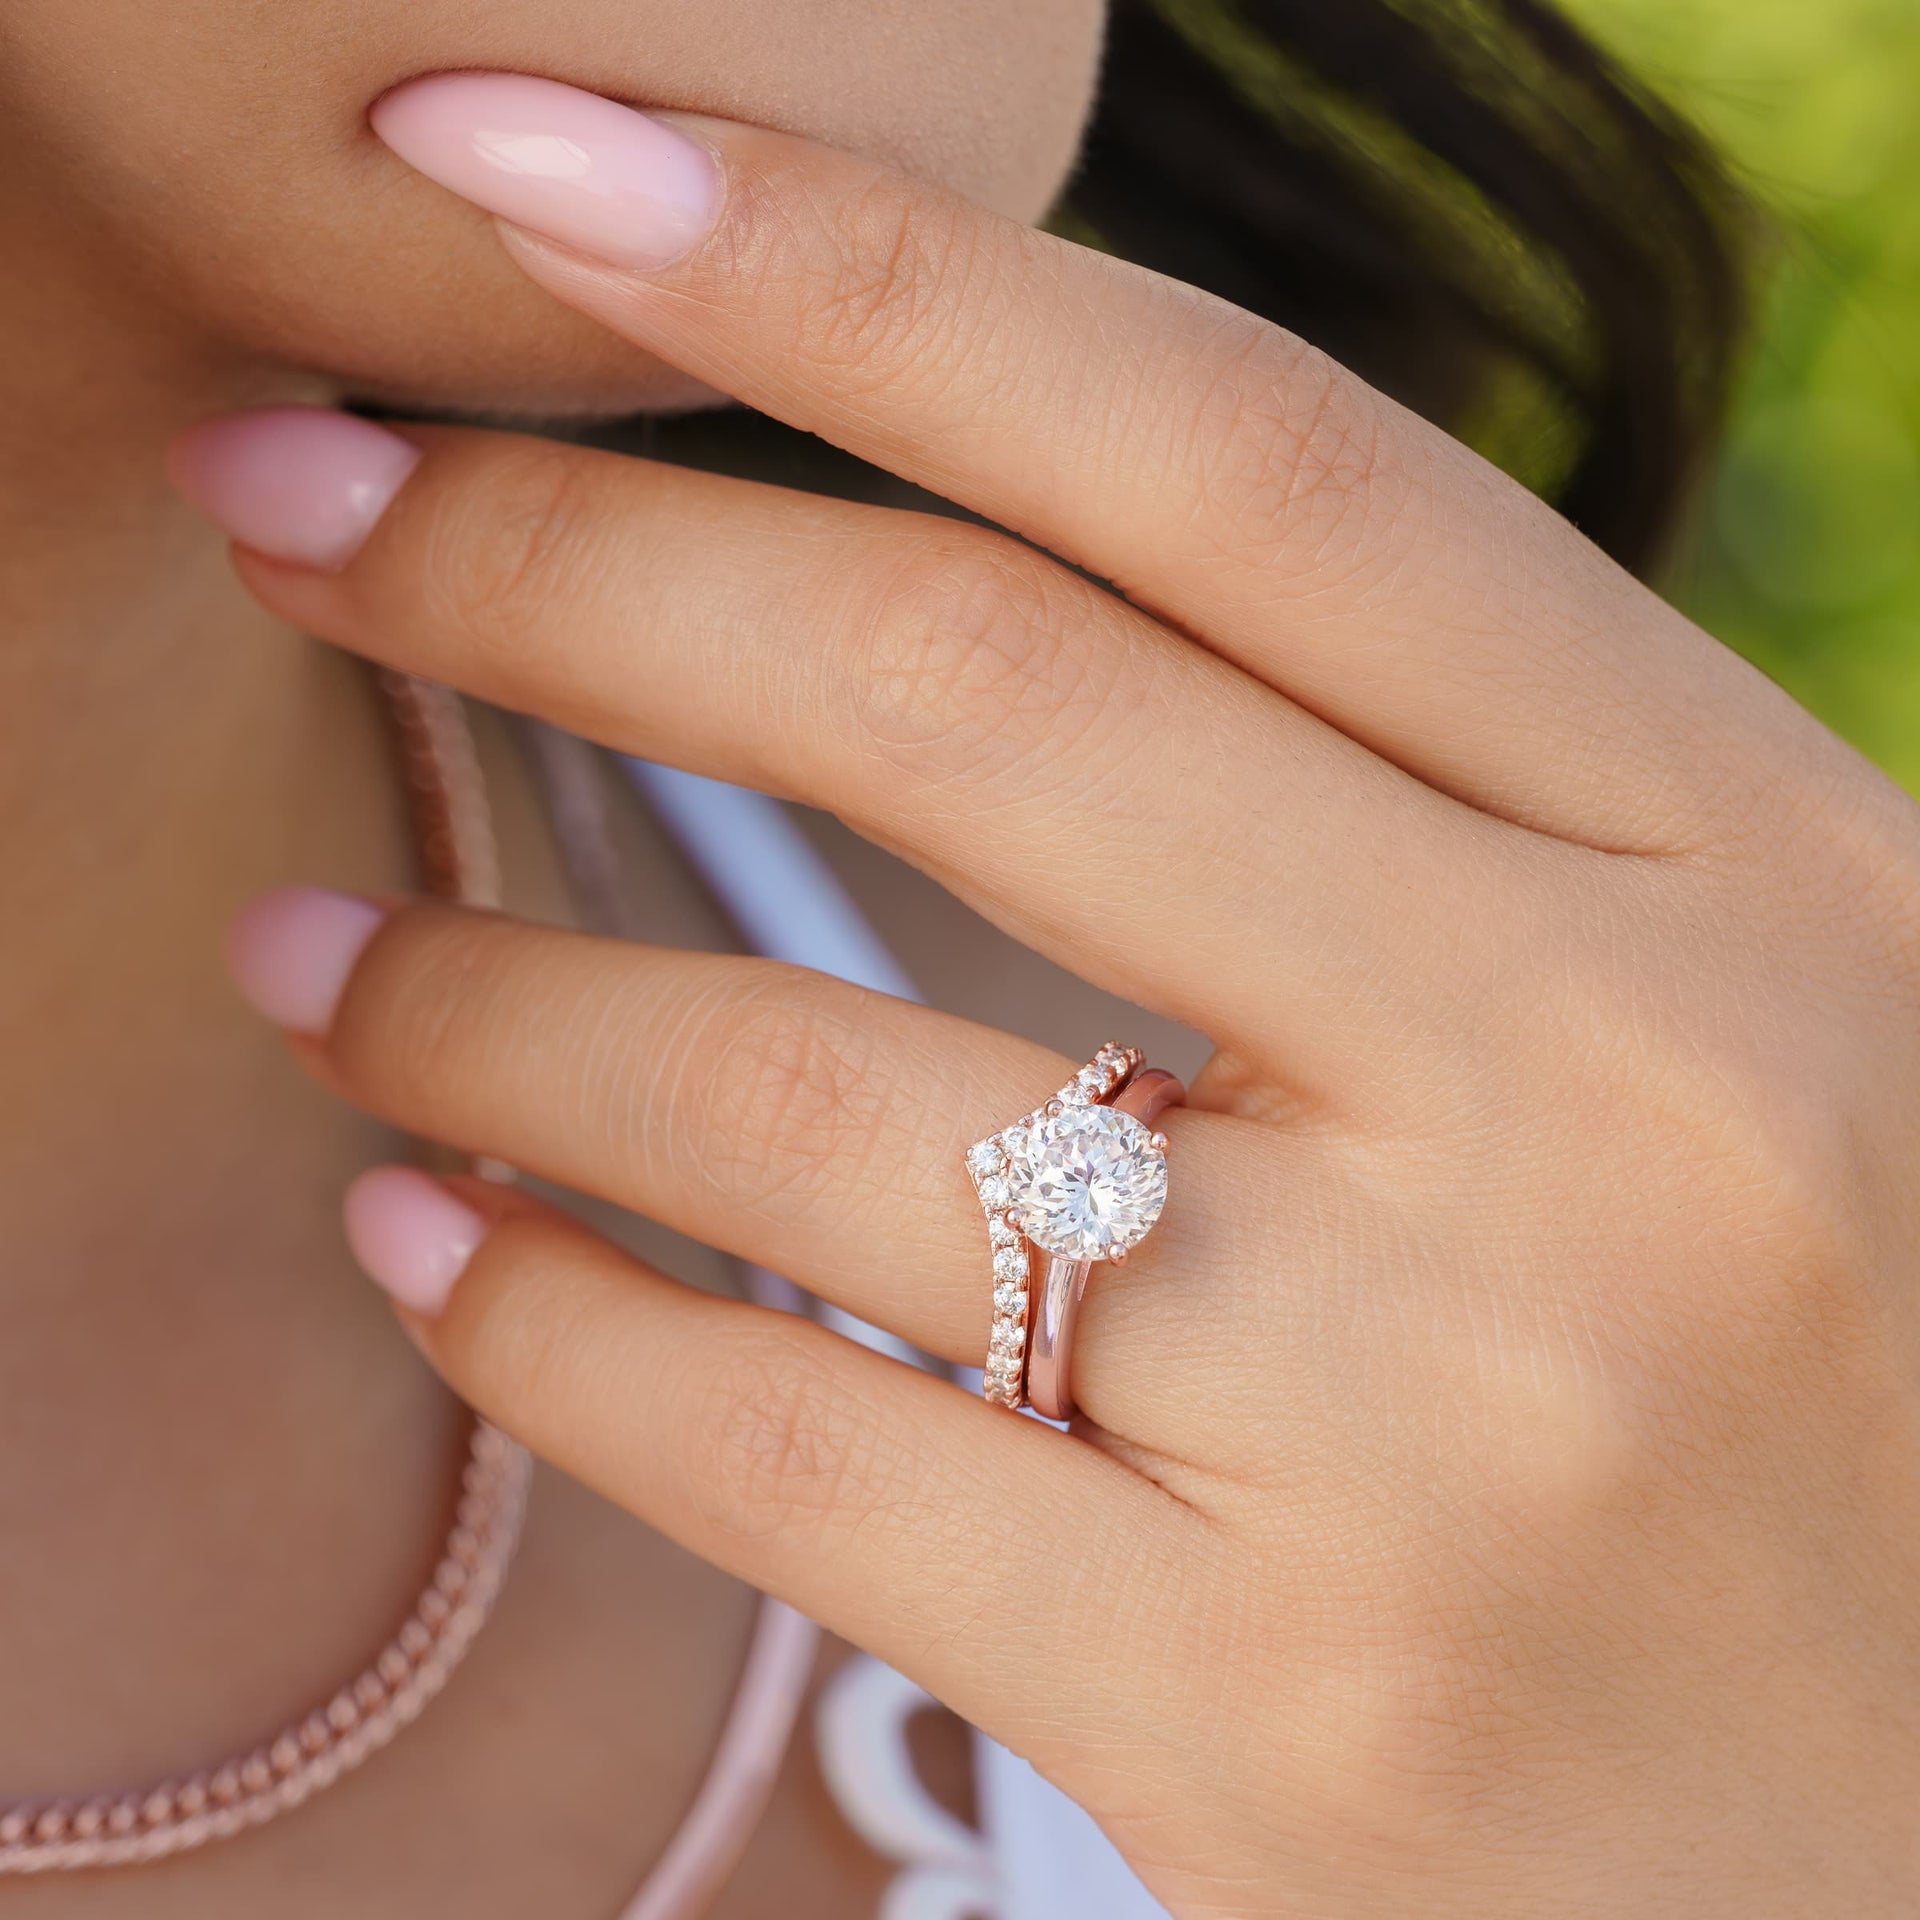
point(887, 306)
point(1786, 1180)
point(1288, 448)
point(1740, 1174)
point(506, 544)
point(1855, 887)
point(971, 667)
point(784, 1099)
point(787, 1450)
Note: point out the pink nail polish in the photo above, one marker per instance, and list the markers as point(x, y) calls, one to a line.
point(298, 483)
point(290, 952)
point(580, 169)
point(412, 1236)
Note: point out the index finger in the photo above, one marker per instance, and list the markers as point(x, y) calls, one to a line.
point(1214, 467)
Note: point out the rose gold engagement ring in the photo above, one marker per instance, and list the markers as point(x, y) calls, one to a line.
point(1079, 1181)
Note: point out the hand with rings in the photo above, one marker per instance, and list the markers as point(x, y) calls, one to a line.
point(1495, 1481)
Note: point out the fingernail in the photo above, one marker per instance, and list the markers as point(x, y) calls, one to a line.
point(412, 1236)
point(299, 483)
point(290, 952)
point(581, 169)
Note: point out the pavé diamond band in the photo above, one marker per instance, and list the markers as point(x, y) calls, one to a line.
point(1079, 1181)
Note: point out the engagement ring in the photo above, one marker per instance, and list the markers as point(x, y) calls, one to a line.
point(1079, 1181)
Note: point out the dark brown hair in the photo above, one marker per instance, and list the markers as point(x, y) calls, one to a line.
point(1465, 201)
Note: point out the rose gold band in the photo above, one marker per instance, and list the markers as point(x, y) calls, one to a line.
point(1037, 1292)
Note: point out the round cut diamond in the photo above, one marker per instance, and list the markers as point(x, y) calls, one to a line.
point(1089, 1181)
point(1010, 1263)
point(995, 1193)
point(985, 1158)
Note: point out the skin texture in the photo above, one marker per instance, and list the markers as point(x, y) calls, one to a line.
point(238, 1463)
point(1511, 1510)
point(1499, 1480)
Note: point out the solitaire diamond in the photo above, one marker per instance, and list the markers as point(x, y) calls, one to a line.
point(1088, 1182)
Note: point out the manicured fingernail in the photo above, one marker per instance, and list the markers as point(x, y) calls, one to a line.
point(583, 170)
point(298, 483)
point(290, 952)
point(412, 1236)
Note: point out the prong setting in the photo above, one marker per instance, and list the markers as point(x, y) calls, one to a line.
point(1078, 1180)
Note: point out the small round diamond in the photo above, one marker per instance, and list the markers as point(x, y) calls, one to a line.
point(995, 1194)
point(1010, 1263)
point(1008, 1337)
point(986, 1158)
point(1010, 1301)
point(1091, 1182)
point(1002, 1232)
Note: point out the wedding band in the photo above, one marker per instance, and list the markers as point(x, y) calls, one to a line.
point(1080, 1181)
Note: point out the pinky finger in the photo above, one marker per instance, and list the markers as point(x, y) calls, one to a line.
point(979, 1554)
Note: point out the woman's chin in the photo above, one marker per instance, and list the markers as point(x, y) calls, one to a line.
point(463, 335)
point(561, 371)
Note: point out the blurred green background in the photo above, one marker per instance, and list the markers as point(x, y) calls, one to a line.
point(1807, 557)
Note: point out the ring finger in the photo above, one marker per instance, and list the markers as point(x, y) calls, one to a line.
point(787, 1118)
point(1141, 810)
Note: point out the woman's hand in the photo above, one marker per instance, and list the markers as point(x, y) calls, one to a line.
point(1498, 1488)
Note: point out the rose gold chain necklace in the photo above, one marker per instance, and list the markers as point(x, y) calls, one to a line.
point(126, 1829)
point(458, 861)
point(454, 833)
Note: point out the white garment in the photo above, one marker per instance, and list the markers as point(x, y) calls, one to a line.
point(1039, 1856)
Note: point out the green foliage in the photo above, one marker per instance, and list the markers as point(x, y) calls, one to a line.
point(1807, 557)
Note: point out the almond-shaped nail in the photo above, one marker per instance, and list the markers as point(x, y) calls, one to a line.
point(299, 483)
point(579, 168)
point(290, 953)
point(411, 1234)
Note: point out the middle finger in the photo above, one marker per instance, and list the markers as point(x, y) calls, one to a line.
point(1128, 803)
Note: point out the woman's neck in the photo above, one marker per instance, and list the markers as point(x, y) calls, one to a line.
point(231, 1468)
